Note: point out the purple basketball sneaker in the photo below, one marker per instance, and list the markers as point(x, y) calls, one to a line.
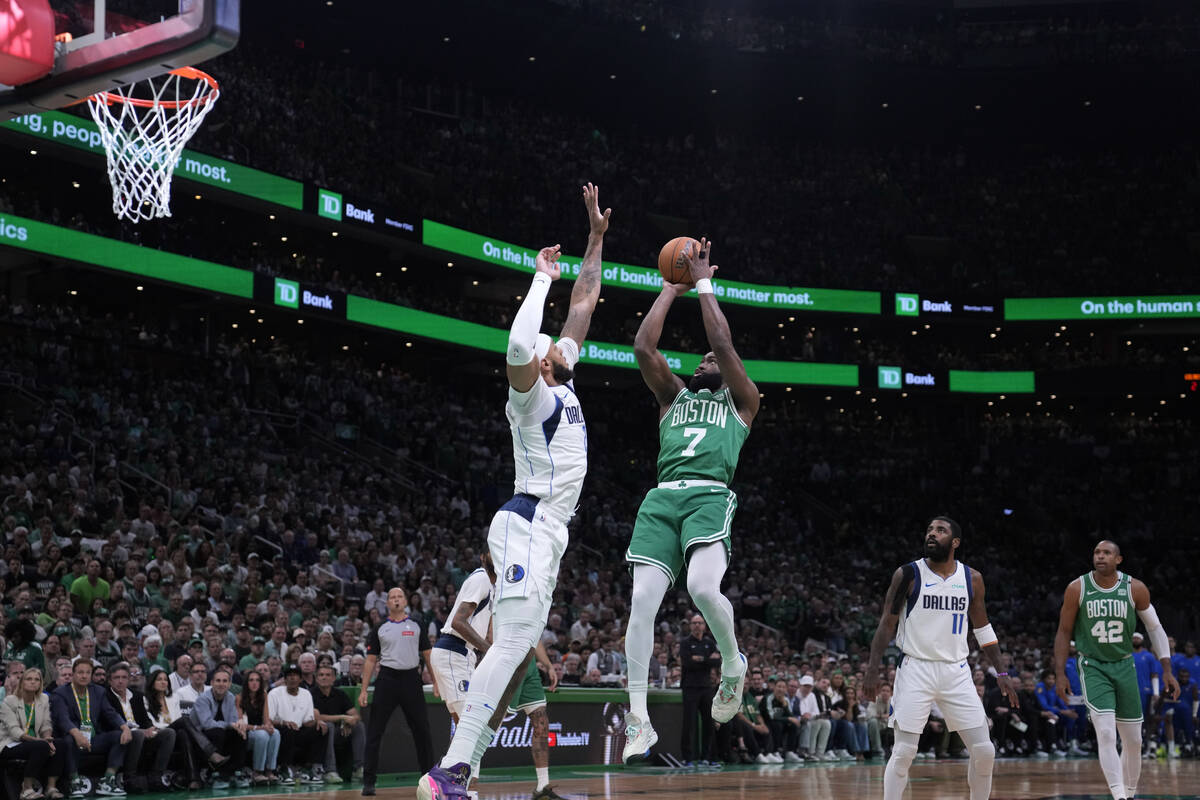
point(443, 784)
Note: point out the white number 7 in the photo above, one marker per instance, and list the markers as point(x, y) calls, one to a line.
point(695, 434)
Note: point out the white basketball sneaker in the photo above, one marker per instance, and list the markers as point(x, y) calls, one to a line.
point(728, 698)
point(640, 737)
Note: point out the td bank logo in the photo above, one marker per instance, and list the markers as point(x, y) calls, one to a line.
point(329, 204)
point(287, 293)
point(908, 305)
point(889, 377)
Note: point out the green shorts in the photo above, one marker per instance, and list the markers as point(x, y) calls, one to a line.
point(672, 521)
point(530, 695)
point(1111, 687)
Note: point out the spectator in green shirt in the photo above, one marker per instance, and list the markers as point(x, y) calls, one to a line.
point(749, 725)
point(88, 587)
point(257, 655)
point(78, 567)
point(152, 647)
point(21, 645)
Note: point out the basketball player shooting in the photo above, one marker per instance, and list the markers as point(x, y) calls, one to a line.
point(686, 519)
point(927, 607)
point(528, 534)
point(1100, 611)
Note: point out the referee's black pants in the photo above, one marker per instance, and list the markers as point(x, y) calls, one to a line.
point(398, 687)
point(697, 700)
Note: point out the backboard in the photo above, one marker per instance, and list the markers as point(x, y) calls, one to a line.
point(105, 44)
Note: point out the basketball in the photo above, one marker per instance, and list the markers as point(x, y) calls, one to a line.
point(672, 262)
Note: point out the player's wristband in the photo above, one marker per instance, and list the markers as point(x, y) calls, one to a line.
point(1001, 674)
point(704, 286)
point(985, 635)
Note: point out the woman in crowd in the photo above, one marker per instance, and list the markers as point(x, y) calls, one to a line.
point(263, 736)
point(856, 715)
point(164, 711)
point(26, 732)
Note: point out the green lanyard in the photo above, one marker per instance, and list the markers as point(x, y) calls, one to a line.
point(85, 716)
point(29, 721)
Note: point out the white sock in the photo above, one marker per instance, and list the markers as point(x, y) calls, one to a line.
point(481, 746)
point(1131, 754)
point(1110, 760)
point(706, 567)
point(649, 586)
point(543, 777)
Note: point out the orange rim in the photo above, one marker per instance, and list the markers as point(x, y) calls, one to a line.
point(184, 72)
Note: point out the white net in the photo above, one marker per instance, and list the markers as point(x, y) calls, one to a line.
point(144, 135)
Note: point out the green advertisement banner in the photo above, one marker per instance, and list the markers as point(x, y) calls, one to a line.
point(38, 237)
point(1013, 382)
point(625, 276)
point(1124, 307)
point(434, 326)
point(80, 133)
point(131, 259)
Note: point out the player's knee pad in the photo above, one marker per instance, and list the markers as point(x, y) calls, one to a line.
point(983, 755)
point(1106, 735)
point(902, 757)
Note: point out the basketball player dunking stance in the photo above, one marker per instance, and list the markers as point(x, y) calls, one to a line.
point(686, 519)
point(1100, 611)
point(529, 533)
point(928, 606)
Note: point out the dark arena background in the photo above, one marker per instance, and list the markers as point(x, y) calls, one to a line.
point(959, 250)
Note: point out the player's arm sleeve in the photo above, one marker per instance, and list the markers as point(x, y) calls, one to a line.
point(570, 351)
point(522, 338)
point(1155, 631)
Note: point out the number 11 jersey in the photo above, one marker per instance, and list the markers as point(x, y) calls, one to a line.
point(933, 623)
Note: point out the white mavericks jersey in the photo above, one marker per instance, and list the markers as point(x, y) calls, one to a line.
point(477, 589)
point(933, 624)
point(549, 441)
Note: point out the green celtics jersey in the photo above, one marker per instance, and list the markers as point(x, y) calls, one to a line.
point(700, 437)
point(1106, 619)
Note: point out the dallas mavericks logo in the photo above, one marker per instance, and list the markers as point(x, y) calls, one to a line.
point(462, 686)
point(514, 574)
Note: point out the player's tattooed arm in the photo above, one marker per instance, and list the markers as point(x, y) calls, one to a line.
point(889, 618)
point(586, 292)
point(716, 327)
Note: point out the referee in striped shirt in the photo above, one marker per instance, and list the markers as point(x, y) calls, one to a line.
point(398, 645)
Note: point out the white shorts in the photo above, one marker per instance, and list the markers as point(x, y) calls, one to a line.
point(527, 545)
point(453, 672)
point(920, 684)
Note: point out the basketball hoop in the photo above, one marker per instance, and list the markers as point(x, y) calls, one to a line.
point(144, 136)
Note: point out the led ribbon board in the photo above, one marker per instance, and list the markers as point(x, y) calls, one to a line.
point(82, 134)
point(282, 293)
point(626, 276)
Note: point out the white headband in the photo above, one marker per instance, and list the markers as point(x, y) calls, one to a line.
point(543, 346)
